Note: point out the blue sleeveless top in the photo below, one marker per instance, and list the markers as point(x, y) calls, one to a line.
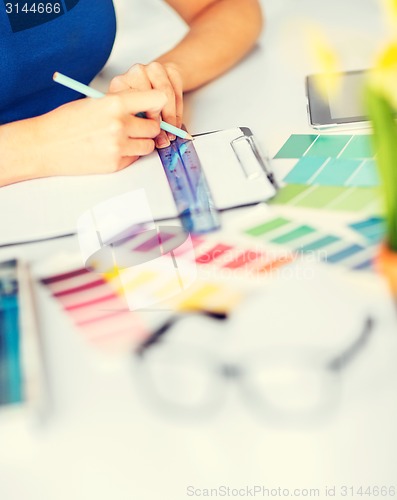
point(37, 38)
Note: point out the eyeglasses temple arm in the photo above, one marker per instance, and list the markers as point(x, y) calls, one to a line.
point(157, 334)
point(340, 362)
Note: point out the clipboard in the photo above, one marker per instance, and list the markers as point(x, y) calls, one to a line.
point(237, 172)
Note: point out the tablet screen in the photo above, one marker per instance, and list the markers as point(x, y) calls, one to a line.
point(343, 107)
point(349, 100)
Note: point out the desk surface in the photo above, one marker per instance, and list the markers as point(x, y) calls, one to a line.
point(100, 441)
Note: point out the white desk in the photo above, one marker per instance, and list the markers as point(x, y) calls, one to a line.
point(102, 443)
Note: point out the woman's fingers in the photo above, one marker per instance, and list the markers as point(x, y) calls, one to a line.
point(159, 79)
point(150, 101)
point(134, 79)
point(177, 85)
point(100, 135)
point(164, 78)
point(142, 127)
point(138, 147)
point(125, 161)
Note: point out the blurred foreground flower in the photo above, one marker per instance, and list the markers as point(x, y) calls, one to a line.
point(381, 105)
point(327, 79)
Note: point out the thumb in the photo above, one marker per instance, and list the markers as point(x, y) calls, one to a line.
point(152, 101)
point(117, 84)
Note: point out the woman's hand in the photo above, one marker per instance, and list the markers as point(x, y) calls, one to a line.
point(163, 77)
point(96, 136)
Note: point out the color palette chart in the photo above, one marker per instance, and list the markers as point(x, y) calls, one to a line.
point(11, 380)
point(101, 313)
point(307, 239)
point(97, 303)
point(228, 265)
point(95, 308)
point(336, 172)
point(372, 229)
point(162, 273)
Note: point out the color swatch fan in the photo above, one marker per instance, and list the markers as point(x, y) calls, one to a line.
point(21, 369)
point(332, 172)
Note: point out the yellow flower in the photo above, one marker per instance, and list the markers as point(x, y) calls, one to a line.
point(384, 74)
point(390, 7)
point(387, 59)
point(325, 59)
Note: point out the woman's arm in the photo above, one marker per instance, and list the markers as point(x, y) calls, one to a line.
point(221, 33)
point(19, 154)
point(87, 136)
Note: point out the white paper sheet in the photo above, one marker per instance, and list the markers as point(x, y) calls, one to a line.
point(50, 207)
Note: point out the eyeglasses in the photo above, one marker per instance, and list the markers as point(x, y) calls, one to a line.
point(282, 385)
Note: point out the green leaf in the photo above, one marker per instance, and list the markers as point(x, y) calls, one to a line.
point(382, 116)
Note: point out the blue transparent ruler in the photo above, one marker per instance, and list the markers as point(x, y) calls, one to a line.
point(189, 187)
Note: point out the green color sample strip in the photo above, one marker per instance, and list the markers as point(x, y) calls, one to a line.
point(319, 244)
point(330, 197)
point(304, 170)
point(328, 146)
point(366, 175)
point(359, 147)
point(349, 147)
point(319, 196)
point(336, 172)
point(295, 234)
point(296, 146)
point(357, 199)
point(288, 193)
point(267, 227)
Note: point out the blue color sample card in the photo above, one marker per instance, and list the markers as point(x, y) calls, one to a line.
point(373, 229)
point(331, 160)
point(11, 391)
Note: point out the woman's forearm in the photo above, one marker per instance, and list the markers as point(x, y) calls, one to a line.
point(86, 136)
point(220, 35)
point(19, 158)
